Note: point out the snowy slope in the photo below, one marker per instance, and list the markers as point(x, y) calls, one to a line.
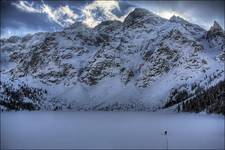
point(110, 130)
point(135, 64)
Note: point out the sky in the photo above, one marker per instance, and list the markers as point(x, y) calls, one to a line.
point(31, 16)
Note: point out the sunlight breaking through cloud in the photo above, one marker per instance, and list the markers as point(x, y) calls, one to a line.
point(91, 14)
point(169, 14)
point(105, 8)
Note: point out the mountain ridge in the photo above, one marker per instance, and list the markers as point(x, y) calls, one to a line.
point(132, 65)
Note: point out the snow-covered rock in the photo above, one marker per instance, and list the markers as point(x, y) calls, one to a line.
point(145, 54)
point(216, 36)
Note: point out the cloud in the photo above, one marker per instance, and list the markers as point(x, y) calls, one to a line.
point(103, 7)
point(95, 12)
point(189, 16)
point(26, 6)
point(99, 11)
point(62, 15)
point(91, 13)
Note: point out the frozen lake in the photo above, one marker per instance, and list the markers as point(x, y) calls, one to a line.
point(21, 130)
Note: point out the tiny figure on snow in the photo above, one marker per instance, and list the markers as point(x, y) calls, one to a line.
point(167, 144)
point(165, 132)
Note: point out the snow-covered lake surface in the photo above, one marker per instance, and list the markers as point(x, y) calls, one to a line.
point(64, 130)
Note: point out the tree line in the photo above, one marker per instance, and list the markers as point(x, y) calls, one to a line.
point(21, 97)
point(211, 100)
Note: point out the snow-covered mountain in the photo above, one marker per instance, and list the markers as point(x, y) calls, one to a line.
point(145, 62)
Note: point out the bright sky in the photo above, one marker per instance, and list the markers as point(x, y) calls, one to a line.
point(22, 17)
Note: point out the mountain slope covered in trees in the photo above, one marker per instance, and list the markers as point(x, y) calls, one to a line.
point(211, 100)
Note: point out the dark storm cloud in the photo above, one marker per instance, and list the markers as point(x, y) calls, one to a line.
point(48, 15)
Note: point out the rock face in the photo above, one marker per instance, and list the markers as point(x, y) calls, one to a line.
point(139, 17)
point(132, 65)
point(215, 36)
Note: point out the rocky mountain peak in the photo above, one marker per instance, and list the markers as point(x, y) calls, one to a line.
point(139, 12)
point(137, 15)
point(175, 18)
point(216, 27)
point(109, 25)
point(77, 26)
point(216, 36)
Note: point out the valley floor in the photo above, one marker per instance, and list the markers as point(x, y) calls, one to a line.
point(65, 130)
